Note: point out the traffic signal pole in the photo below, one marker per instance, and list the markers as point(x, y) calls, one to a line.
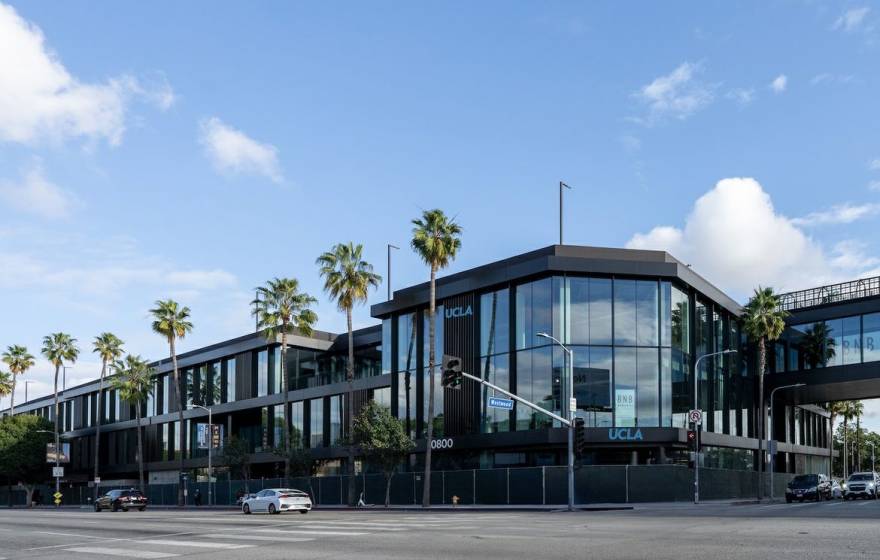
point(568, 423)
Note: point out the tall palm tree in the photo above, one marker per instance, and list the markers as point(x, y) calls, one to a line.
point(764, 321)
point(280, 308)
point(109, 347)
point(836, 408)
point(171, 321)
point(133, 384)
point(347, 280)
point(6, 383)
point(436, 239)
point(19, 361)
point(858, 408)
point(59, 348)
point(850, 410)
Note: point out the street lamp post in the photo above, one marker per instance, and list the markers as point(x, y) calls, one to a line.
point(561, 187)
point(210, 447)
point(64, 377)
point(26, 383)
point(388, 277)
point(57, 461)
point(769, 431)
point(697, 426)
point(569, 417)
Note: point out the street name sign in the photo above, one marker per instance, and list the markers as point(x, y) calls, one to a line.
point(506, 404)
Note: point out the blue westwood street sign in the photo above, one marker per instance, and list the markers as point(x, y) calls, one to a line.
point(506, 404)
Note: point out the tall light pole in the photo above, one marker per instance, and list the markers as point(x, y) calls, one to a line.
point(873, 468)
point(697, 426)
point(769, 431)
point(64, 377)
point(561, 187)
point(26, 383)
point(569, 417)
point(210, 447)
point(388, 277)
point(57, 460)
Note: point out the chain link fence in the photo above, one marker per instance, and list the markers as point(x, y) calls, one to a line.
point(514, 486)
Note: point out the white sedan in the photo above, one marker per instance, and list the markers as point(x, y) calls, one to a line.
point(276, 500)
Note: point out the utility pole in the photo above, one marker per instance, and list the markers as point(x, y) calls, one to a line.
point(210, 447)
point(697, 425)
point(561, 187)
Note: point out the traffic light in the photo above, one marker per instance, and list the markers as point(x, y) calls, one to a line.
point(692, 440)
point(579, 437)
point(451, 372)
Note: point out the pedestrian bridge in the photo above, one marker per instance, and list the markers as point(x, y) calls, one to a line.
point(831, 344)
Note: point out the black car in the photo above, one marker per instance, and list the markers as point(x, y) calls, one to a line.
point(124, 500)
point(808, 487)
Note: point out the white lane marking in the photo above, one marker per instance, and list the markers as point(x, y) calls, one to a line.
point(254, 538)
point(105, 541)
point(194, 544)
point(69, 535)
point(294, 531)
point(336, 525)
point(127, 553)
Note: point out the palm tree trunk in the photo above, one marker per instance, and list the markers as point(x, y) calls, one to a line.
point(181, 498)
point(349, 408)
point(845, 457)
point(858, 443)
point(285, 433)
point(426, 490)
point(762, 359)
point(137, 408)
point(56, 408)
point(12, 396)
point(98, 426)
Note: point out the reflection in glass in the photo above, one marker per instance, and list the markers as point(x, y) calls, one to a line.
point(406, 364)
point(871, 337)
point(262, 373)
point(494, 322)
point(496, 370)
point(316, 409)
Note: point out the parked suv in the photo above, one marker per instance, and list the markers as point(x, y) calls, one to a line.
point(808, 487)
point(114, 500)
point(861, 485)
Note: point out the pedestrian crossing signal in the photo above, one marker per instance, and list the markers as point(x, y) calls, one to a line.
point(579, 437)
point(451, 372)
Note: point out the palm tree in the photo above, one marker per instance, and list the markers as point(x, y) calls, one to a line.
point(109, 347)
point(19, 361)
point(348, 279)
point(436, 239)
point(172, 322)
point(858, 408)
point(279, 308)
point(6, 383)
point(764, 322)
point(836, 408)
point(133, 384)
point(59, 348)
point(851, 409)
point(818, 345)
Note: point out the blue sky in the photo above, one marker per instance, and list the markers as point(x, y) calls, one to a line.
point(194, 150)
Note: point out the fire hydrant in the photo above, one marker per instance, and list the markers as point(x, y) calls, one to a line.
point(455, 500)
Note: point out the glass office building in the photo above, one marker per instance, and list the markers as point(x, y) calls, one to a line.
point(635, 321)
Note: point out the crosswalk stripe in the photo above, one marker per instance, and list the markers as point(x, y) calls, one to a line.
point(195, 544)
point(254, 538)
point(295, 531)
point(371, 526)
point(128, 553)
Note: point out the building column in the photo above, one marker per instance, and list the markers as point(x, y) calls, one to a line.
point(634, 457)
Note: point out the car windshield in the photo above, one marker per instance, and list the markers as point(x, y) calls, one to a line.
point(804, 481)
point(860, 477)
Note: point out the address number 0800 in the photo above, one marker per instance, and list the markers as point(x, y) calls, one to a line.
point(444, 443)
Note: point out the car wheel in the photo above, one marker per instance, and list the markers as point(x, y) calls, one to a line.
point(97, 507)
point(114, 507)
point(787, 500)
point(303, 511)
point(246, 509)
point(142, 508)
point(272, 510)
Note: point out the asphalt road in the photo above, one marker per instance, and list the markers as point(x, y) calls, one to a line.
point(680, 531)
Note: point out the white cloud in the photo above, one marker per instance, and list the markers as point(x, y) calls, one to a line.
point(231, 150)
point(874, 165)
point(736, 238)
point(35, 194)
point(779, 83)
point(874, 186)
point(741, 95)
point(40, 99)
point(826, 78)
point(678, 94)
point(839, 214)
point(851, 19)
point(631, 143)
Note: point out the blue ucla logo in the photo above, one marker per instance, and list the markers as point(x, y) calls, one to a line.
point(625, 434)
point(459, 311)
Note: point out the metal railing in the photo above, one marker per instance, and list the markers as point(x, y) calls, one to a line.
point(833, 293)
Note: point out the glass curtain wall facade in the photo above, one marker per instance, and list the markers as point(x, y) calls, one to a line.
point(835, 342)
